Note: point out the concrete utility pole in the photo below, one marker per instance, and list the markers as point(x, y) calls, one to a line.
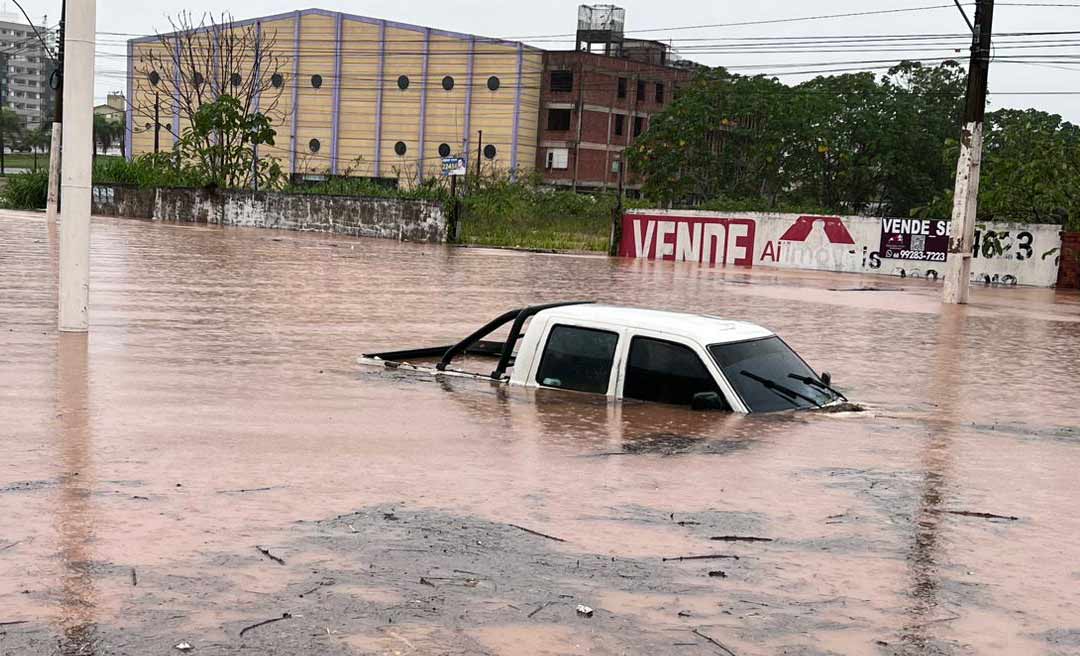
point(75, 172)
point(966, 194)
point(52, 202)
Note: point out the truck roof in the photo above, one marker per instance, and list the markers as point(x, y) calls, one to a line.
point(703, 328)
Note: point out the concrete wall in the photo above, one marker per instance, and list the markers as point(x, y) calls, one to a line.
point(1069, 272)
point(119, 200)
point(1007, 253)
point(390, 218)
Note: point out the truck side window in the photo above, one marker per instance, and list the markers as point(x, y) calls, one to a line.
point(665, 372)
point(577, 359)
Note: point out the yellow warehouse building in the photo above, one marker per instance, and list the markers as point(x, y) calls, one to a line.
point(351, 95)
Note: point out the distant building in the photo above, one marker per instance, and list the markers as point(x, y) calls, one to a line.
point(597, 99)
point(25, 68)
point(368, 97)
point(114, 107)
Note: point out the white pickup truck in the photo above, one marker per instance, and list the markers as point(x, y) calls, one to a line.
point(695, 360)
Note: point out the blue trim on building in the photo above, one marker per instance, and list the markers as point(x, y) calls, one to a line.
point(517, 114)
point(177, 81)
point(423, 103)
point(129, 130)
point(257, 97)
point(379, 99)
point(468, 100)
point(335, 120)
point(294, 109)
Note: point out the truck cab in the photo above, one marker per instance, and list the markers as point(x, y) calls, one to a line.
point(695, 360)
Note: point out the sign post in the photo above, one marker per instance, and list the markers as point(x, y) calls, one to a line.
point(454, 168)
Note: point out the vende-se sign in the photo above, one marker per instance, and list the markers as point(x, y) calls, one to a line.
point(1004, 253)
point(696, 239)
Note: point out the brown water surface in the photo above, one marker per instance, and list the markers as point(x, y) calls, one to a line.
point(215, 406)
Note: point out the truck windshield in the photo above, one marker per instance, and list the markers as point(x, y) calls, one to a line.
point(769, 376)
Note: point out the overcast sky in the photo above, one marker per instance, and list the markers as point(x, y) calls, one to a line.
point(551, 17)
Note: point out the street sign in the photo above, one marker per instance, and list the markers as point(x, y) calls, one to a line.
point(453, 166)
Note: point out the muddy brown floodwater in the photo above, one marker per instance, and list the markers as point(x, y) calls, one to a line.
point(211, 458)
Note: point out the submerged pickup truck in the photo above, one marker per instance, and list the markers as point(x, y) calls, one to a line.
point(695, 360)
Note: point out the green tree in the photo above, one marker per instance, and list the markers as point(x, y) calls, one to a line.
point(107, 132)
point(219, 145)
point(12, 126)
point(37, 141)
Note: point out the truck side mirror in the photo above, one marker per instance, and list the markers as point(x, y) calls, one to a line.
point(708, 401)
point(826, 378)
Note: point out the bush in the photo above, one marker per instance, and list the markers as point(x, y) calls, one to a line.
point(26, 191)
point(144, 171)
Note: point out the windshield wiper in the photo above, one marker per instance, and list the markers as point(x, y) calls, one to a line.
point(773, 385)
point(807, 380)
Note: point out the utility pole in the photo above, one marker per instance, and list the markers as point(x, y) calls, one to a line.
point(157, 122)
point(617, 212)
point(966, 193)
point(78, 146)
point(52, 204)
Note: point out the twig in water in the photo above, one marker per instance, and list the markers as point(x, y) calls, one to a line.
point(739, 538)
point(706, 557)
point(983, 515)
point(537, 533)
point(540, 608)
point(14, 623)
point(5, 548)
point(266, 552)
point(284, 616)
point(134, 577)
point(719, 644)
point(937, 621)
point(242, 490)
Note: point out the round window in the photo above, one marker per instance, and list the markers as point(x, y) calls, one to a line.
point(198, 78)
point(276, 80)
point(314, 145)
point(149, 125)
point(316, 81)
point(403, 82)
point(155, 78)
point(400, 148)
point(448, 83)
point(444, 150)
point(493, 83)
point(235, 79)
point(490, 151)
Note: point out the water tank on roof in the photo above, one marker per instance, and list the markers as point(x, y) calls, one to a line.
point(600, 24)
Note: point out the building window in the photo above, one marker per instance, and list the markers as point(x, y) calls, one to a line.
point(557, 158)
point(639, 124)
point(578, 359)
point(490, 151)
point(620, 124)
point(659, 93)
point(155, 78)
point(558, 119)
point(314, 145)
point(316, 81)
point(562, 80)
point(276, 80)
point(198, 78)
point(640, 90)
point(622, 87)
point(448, 83)
point(235, 79)
point(400, 148)
point(444, 150)
point(493, 83)
point(403, 82)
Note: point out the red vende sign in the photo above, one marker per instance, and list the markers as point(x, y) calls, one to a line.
point(688, 238)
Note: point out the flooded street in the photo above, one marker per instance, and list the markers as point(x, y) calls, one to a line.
point(212, 458)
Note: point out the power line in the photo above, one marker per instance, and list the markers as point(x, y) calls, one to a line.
point(32, 27)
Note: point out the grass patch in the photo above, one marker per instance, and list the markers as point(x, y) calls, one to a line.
point(26, 161)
